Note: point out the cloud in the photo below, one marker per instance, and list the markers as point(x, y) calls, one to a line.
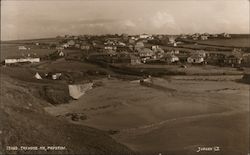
point(129, 23)
point(95, 25)
point(97, 21)
point(10, 26)
point(39, 19)
point(161, 19)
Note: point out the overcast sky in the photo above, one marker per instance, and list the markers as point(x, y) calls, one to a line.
point(27, 19)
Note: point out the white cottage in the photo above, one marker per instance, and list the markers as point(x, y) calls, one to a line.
point(22, 48)
point(21, 60)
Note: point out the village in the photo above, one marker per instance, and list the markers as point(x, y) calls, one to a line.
point(138, 55)
point(125, 56)
point(142, 49)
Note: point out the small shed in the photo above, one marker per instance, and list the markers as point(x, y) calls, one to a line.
point(38, 76)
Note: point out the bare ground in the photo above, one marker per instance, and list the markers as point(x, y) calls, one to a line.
point(151, 120)
point(25, 123)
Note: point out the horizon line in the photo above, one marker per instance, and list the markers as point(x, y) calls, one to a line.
point(115, 34)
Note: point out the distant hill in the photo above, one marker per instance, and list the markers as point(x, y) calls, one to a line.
point(28, 41)
point(236, 40)
point(232, 42)
point(240, 35)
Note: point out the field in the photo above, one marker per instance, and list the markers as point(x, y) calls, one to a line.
point(233, 42)
point(175, 117)
point(11, 50)
point(31, 41)
point(205, 47)
point(161, 69)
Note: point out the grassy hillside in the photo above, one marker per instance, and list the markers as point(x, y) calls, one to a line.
point(25, 123)
point(11, 50)
point(28, 41)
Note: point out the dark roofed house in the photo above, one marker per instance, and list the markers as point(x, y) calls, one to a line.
point(170, 58)
point(131, 47)
point(233, 60)
point(171, 39)
point(131, 41)
point(98, 46)
point(158, 51)
point(65, 45)
point(204, 37)
point(183, 36)
point(121, 43)
point(195, 36)
point(201, 53)
point(214, 35)
point(71, 43)
point(100, 57)
point(195, 59)
point(183, 57)
point(145, 52)
point(134, 60)
point(173, 51)
point(77, 45)
point(85, 46)
point(226, 35)
point(110, 52)
point(59, 48)
point(110, 48)
point(124, 36)
point(139, 45)
point(246, 59)
point(216, 57)
point(125, 57)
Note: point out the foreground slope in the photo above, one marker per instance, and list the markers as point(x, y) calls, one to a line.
point(174, 115)
point(25, 123)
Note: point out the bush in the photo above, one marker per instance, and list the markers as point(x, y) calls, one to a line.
point(55, 95)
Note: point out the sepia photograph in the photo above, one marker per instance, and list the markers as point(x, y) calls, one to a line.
point(125, 77)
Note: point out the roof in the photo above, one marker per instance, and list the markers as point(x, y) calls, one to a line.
point(196, 56)
point(112, 52)
point(22, 57)
point(145, 50)
point(234, 56)
point(99, 46)
point(170, 56)
point(139, 42)
point(133, 56)
point(71, 40)
point(85, 44)
point(159, 50)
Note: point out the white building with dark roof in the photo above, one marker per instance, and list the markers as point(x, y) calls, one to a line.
point(21, 60)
